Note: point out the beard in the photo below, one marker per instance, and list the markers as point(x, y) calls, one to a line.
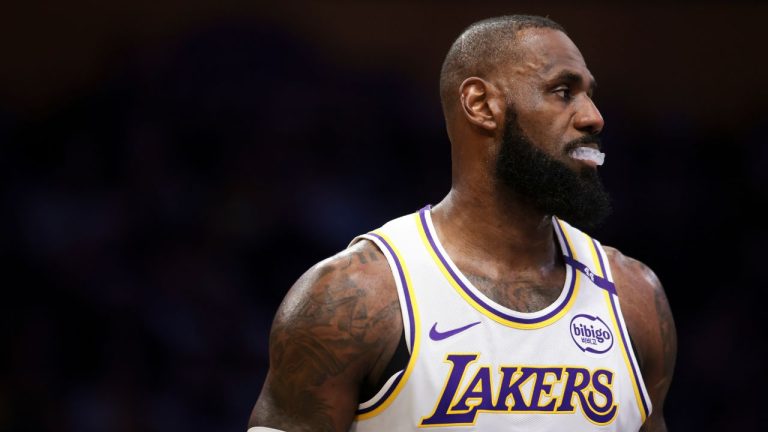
point(547, 184)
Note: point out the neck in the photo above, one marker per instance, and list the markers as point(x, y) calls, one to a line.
point(496, 233)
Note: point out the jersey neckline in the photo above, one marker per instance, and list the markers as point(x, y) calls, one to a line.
point(488, 307)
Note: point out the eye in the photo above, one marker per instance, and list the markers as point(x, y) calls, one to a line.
point(563, 92)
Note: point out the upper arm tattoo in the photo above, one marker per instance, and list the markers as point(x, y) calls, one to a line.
point(331, 330)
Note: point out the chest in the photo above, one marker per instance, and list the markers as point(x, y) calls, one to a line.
point(520, 291)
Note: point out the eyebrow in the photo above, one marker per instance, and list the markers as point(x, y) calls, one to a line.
point(572, 78)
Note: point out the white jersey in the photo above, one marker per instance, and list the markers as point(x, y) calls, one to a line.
point(476, 365)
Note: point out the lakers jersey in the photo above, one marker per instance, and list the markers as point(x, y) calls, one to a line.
point(477, 365)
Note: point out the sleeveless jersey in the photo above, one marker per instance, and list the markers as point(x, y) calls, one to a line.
point(477, 365)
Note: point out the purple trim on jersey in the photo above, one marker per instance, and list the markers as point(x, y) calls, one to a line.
point(386, 396)
point(597, 280)
point(404, 284)
point(635, 374)
point(627, 352)
point(478, 300)
point(411, 321)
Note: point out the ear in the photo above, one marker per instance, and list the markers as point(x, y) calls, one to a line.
point(480, 104)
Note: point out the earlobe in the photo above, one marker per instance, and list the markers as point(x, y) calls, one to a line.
point(477, 103)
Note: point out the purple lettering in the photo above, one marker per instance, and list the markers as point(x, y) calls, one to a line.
point(546, 388)
point(481, 382)
point(441, 415)
point(512, 388)
point(578, 379)
point(601, 413)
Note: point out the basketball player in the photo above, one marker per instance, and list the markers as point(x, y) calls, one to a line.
point(489, 311)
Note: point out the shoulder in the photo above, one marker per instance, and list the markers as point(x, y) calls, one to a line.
point(358, 274)
point(346, 306)
point(334, 332)
point(636, 284)
point(650, 324)
point(643, 300)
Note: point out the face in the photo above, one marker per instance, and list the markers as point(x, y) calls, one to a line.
point(551, 89)
point(552, 115)
point(547, 184)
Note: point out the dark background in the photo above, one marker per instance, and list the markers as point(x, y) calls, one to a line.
point(169, 169)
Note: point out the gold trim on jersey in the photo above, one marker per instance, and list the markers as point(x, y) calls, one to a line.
point(383, 405)
point(623, 339)
point(575, 282)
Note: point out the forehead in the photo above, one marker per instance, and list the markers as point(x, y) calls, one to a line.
point(544, 53)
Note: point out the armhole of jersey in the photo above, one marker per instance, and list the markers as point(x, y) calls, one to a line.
point(408, 311)
point(628, 349)
point(398, 282)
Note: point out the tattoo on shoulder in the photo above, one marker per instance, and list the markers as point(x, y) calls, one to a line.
point(330, 330)
point(325, 270)
point(363, 257)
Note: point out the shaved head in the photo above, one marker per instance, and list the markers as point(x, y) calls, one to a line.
point(481, 48)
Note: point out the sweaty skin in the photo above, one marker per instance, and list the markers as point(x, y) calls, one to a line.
point(340, 324)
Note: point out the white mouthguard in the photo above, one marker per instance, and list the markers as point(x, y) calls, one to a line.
point(588, 154)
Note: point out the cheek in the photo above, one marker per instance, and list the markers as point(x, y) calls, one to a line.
point(552, 126)
point(545, 132)
point(543, 120)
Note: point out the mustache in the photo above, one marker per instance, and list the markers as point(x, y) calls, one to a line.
point(586, 139)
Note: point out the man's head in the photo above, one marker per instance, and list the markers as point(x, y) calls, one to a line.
point(482, 48)
point(517, 97)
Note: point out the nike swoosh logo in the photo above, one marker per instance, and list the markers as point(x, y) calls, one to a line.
point(436, 335)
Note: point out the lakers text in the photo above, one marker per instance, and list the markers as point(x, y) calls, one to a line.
point(471, 390)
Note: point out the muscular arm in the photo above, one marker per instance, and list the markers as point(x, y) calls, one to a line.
point(649, 322)
point(335, 330)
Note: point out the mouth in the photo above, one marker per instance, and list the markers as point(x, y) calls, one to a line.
point(591, 156)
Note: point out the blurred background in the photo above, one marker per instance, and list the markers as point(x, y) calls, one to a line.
point(170, 168)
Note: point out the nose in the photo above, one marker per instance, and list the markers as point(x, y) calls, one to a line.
point(588, 118)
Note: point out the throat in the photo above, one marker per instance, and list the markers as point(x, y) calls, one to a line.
point(521, 293)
